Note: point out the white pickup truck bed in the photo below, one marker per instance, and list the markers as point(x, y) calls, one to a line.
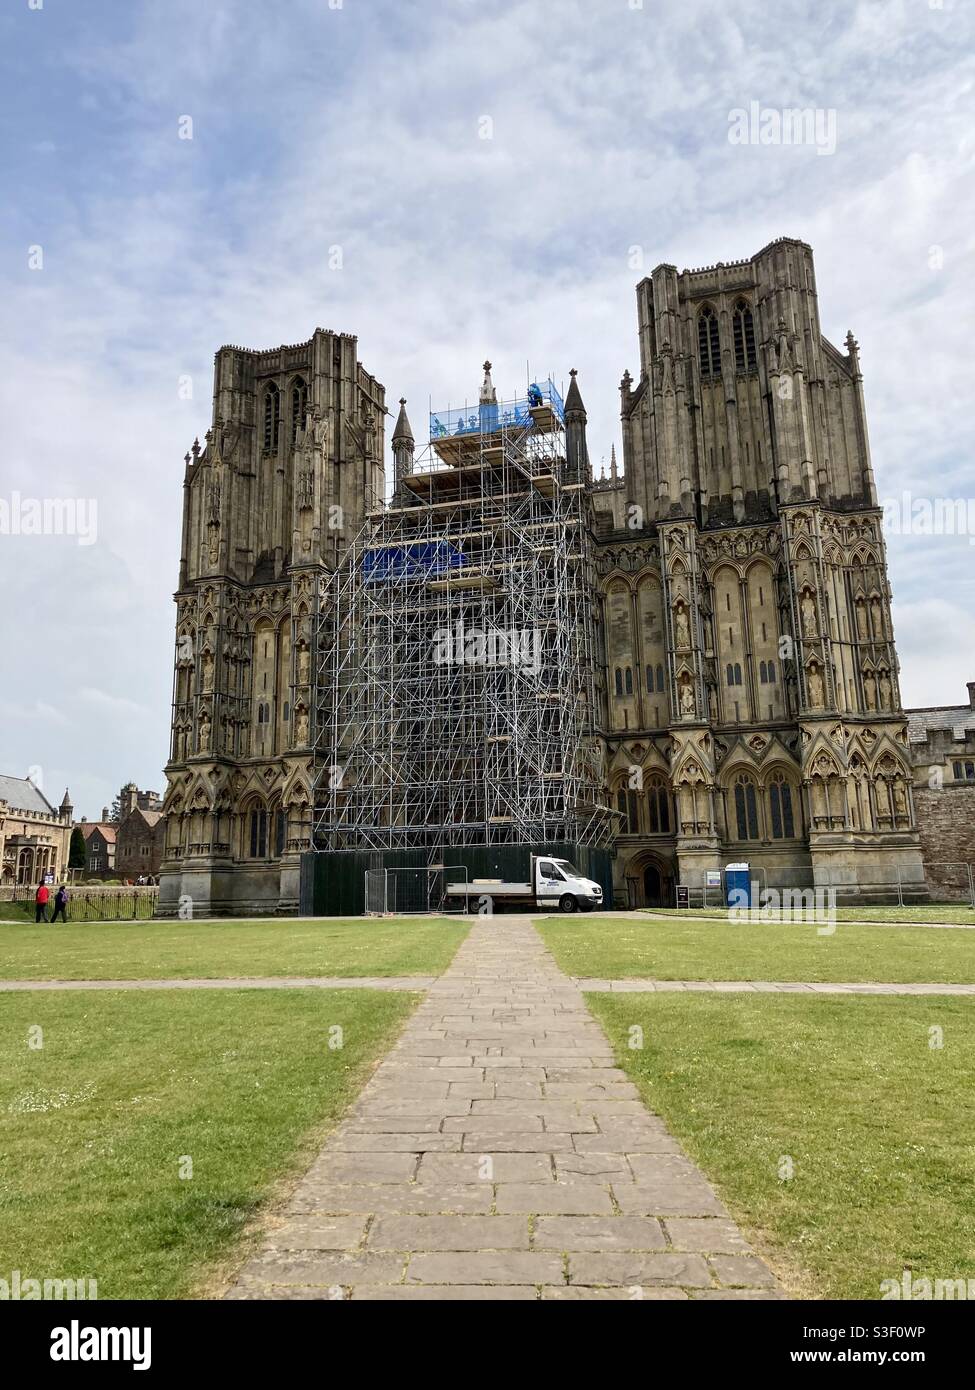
point(487, 887)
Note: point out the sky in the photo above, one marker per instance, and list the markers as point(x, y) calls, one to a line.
point(497, 176)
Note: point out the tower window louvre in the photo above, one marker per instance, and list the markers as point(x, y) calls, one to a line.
point(272, 416)
point(744, 333)
point(708, 342)
point(299, 405)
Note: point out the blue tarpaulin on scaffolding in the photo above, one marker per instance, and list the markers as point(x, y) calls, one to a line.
point(420, 559)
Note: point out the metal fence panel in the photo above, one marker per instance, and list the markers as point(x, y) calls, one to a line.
point(84, 904)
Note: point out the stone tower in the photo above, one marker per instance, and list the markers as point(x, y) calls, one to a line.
point(752, 702)
point(292, 460)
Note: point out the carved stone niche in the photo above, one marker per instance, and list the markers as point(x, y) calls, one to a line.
point(688, 701)
point(814, 687)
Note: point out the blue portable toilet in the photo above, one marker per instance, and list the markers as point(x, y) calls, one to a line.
point(738, 885)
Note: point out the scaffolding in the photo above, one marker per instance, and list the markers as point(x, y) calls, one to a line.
point(456, 647)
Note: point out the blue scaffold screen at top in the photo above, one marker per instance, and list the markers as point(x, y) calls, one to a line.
point(414, 560)
point(485, 419)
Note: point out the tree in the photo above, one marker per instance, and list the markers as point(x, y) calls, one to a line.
point(77, 854)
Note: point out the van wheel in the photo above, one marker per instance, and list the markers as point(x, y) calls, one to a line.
point(567, 903)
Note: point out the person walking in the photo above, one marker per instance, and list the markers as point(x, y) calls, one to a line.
point(60, 905)
point(40, 902)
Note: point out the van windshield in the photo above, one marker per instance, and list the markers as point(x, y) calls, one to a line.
point(568, 869)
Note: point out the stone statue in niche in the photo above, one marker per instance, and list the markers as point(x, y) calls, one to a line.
point(900, 799)
point(205, 734)
point(886, 691)
point(301, 726)
point(877, 613)
point(815, 688)
point(861, 612)
point(870, 690)
point(207, 670)
point(688, 705)
point(807, 608)
point(304, 663)
point(682, 628)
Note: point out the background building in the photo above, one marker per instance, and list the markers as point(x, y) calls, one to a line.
point(942, 747)
point(34, 837)
point(140, 839)
point(100, 837)
point(130, 799)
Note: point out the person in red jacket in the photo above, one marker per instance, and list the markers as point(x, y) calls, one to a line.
point(40, 902)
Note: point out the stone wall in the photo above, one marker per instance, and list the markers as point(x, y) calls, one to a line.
point(946, 820)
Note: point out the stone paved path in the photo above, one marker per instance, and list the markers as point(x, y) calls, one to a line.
point(498, 1153)
point(404, 982)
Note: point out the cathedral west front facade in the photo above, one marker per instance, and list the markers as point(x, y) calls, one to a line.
point(747, 704)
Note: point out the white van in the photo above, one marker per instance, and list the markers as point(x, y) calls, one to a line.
point(552, 883)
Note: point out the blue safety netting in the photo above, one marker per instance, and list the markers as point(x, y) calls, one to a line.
point(485, 419)
point(417, 559)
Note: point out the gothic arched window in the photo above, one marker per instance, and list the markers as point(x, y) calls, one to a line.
point(708, 344)
point(629, 680)
point(744, 337)
point(660, 677)
point(626, 804)
point(780, 808)
point(299, 404)
point(658, 804)
point(746, 808)
point(619, 681)
point(280, 831)
point(650, 679)
point(272, 416)
point(258, 833)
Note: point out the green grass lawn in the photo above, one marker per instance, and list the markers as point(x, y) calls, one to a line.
point(95, 1124)
point(703, 949)
point(951, 913)
point(878, 1126)
point(165, 950)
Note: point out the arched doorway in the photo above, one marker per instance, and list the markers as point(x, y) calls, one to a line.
point(652, 886)
point(650, 882)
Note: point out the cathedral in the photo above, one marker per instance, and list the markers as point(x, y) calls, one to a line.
point(739, 697)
